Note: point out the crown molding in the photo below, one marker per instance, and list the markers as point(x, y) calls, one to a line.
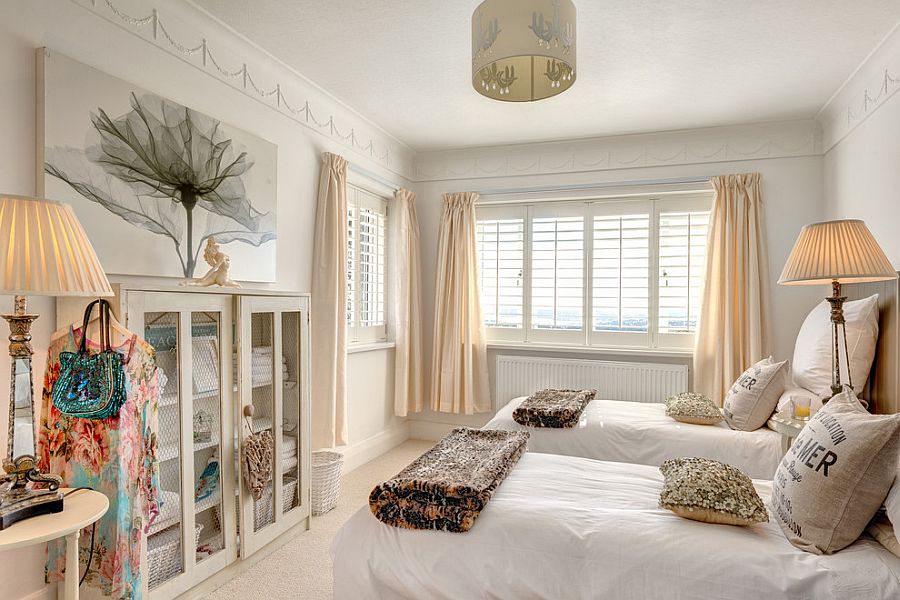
point(696, 146)
point(192, 35)
point(870, 86)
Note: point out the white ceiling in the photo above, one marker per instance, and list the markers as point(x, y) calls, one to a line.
point(648, 65)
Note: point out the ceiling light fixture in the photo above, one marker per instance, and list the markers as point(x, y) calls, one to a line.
point(523, 50)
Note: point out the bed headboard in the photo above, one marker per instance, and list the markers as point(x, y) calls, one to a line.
point(883, 387)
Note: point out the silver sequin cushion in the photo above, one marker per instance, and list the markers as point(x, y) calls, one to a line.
point(689, 407)
point(710, 491)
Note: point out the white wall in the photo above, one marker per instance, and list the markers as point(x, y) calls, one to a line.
point(862, 164)
point(88, 36)
point(792, 192)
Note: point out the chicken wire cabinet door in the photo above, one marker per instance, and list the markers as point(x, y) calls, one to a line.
point(194, 535)
point(272, 364)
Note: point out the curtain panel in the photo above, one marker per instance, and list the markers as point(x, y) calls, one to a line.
point(329, 307)
point(734, 329)
point(406, 296)
point(459, 374)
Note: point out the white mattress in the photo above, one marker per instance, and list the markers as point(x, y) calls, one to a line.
point(562, 527)
point(641, 433)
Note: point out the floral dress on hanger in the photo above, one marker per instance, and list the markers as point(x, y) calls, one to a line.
point(115, 456)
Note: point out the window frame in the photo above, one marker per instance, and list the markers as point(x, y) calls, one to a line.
point(359, 196)
point(588, 208)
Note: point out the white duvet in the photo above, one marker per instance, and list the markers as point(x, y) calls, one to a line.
point(641, 433)
point(562, 527)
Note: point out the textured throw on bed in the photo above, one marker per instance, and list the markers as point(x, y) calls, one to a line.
point(447, 487)
point(553, 408)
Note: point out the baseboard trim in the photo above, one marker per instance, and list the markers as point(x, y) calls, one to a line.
point(48, 592)
point(356, 455)
point(431, 431)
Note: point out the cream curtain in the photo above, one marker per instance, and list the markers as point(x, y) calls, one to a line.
point(459, 377)
point(329, 307)
point(406, 298)
point(733, 332)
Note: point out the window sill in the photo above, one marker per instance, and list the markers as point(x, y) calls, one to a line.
point(368, 347)
point(575, 349)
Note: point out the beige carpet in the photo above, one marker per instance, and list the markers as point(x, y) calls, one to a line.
point(302, 567)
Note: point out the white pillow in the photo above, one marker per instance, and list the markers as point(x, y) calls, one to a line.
point(784, 402)
point(812, 367)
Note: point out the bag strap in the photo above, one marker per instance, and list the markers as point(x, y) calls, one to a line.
point(82, 345)
point(105, 326)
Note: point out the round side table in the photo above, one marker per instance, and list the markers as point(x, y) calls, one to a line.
point(79, 510)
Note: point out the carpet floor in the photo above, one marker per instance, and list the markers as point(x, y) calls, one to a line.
point(302, 567)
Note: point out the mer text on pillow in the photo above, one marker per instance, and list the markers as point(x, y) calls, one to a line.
point(836, 475)
point(753, 397)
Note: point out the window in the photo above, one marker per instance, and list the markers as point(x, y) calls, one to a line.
point(682, 253)
point(501, 252)
point(366, 221)
point(616, 273)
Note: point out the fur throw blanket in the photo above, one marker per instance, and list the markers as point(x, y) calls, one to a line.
point(553, 408)
point(447, 487)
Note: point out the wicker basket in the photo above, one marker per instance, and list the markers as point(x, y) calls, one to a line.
point(164, 554)
point(326, 480)
point(263, 507)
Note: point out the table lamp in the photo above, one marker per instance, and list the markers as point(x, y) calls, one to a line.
point(836, 252)
point(43, 251)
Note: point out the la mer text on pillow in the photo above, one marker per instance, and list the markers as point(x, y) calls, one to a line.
point(753, 397)
point(836, 475)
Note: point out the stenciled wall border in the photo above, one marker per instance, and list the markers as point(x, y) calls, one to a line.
point(867, 90)
point(718, 144)
point(285, 90)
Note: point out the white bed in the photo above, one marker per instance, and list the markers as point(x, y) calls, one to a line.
point(641, 433)
point(562, 527)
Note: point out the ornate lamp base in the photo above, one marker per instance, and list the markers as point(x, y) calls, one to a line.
point(18, 502)
point(23, 503)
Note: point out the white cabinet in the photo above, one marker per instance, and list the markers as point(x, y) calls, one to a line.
point(272, 342)
point(217, 353)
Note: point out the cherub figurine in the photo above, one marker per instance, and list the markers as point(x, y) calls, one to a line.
point(219, 264)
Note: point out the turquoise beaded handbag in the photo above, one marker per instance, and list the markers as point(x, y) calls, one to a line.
point(91, 386)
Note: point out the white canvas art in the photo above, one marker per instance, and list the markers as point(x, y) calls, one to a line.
point(152, 180)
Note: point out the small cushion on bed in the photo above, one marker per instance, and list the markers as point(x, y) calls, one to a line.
point(707, 490)
point(689, 407)
point(812, 366)
point(883, 531)
point(753, 397)
point(836, 475)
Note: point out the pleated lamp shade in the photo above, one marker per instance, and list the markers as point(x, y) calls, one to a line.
point(44, 251)
point(843, 250)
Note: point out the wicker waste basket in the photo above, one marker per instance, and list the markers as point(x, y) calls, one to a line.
point(326, 480)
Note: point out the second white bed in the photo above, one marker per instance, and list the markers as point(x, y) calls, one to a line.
point(570, 528)
point(641, 433)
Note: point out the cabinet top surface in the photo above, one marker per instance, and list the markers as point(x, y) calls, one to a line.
point(79, 510)
point(219, 291)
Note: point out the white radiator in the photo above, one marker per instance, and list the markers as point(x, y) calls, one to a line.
point(633, 382)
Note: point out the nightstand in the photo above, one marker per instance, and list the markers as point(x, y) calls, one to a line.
point(787, 426)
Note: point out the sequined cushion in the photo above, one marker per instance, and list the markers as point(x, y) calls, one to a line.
point(710, 491)
point(689, 407)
